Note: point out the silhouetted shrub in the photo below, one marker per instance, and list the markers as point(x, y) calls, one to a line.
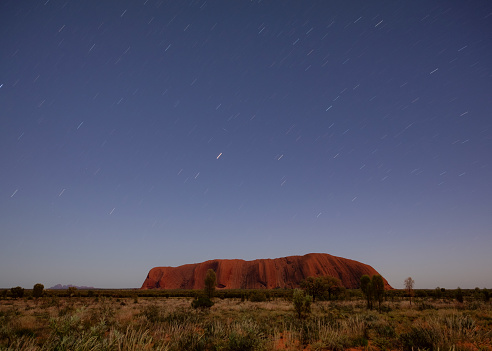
point(38, 290)
point(437, 293)
point(486, 295)
point(71, 291)
point(17, 292)
point(459, 295)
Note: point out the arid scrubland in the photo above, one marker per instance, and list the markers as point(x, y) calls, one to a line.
point(159, 323)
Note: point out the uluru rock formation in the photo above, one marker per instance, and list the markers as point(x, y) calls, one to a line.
point(285, 272)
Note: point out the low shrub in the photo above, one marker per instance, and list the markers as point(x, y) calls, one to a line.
point(17, 292)
point(425, 306)
point(243, 342)
point(152, 313)
point(420, 338)
point(302, 303)
point(257, 297)
point(360, 341)
point(202, 302)
point(38, 290)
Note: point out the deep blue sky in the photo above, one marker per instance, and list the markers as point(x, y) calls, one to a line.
point(147, 133)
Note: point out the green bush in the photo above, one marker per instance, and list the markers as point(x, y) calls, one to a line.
point(202, 302)
point(420, 338)
point(242, 342)
point(386, 331)
point(3, 293)
point(459, 295)
point(38, 290)
point(302, 303)
point(210, 283)
point(257, 296)
point(71, 291)
point(360, 341)
point(17, 292)
point(486, 295)
point(152, 313)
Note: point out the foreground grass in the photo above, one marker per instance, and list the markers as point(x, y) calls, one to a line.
point(54, 323)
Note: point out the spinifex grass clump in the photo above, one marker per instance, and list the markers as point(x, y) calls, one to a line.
point(441, 331)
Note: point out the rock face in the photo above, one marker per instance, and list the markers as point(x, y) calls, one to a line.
point(285, 272)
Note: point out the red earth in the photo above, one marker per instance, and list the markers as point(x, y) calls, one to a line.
point(285, 272)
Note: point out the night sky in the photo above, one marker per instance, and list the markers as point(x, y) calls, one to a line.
point(145, 133)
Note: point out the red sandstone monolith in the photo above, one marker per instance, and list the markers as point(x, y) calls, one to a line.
point(284, 273)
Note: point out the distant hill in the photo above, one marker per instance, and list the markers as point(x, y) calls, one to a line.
point(283, 273)
point(65, 287)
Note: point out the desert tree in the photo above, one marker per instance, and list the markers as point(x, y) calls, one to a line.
point(459, 295)
point(313, 286)
point(486, 295)
point(366, 287)
point(302, 303)
point(377, 283)
point(481, 294)
point(38, 290)
point(71, 291)
point(332, 285)
point(477, 294)
point(437, 293)
point(210, 283)
point(409, 283)
point(317, 287)
point(17, 292)
point(203, 300)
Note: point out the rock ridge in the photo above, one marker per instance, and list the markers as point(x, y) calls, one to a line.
point(279, 273)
